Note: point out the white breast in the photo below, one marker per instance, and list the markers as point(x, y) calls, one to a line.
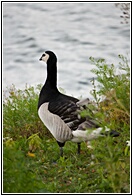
point(55, 124)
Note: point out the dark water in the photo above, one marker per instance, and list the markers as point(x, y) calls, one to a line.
point(74, 31)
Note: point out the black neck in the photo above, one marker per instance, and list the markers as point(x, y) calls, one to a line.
point(50, 87)
point(51, 80)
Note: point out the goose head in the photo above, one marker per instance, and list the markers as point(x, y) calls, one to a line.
point(48, 56)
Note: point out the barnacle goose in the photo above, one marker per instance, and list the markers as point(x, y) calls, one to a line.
point(60, 113)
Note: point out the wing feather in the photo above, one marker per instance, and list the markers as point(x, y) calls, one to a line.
point(68, 111)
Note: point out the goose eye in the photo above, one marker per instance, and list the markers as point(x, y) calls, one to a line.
point(43, 54)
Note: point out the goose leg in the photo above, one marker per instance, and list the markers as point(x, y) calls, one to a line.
point(79, 148)
point(61, 151)
point(61, 148)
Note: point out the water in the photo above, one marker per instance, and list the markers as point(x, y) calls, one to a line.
point(73, 31)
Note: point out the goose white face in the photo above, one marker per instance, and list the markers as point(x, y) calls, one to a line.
point(45, 57)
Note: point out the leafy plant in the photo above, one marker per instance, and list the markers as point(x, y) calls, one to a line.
point(112, 109)
point(20, 112)
point(18, 176)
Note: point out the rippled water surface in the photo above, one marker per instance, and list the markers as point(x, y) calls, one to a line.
point(74, 31)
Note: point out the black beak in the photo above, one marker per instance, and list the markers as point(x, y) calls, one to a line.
point(40, 59)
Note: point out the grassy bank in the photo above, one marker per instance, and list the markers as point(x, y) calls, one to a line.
point(31, 155)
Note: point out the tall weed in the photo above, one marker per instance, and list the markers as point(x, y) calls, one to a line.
point(111, 108)
point(20, 116)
